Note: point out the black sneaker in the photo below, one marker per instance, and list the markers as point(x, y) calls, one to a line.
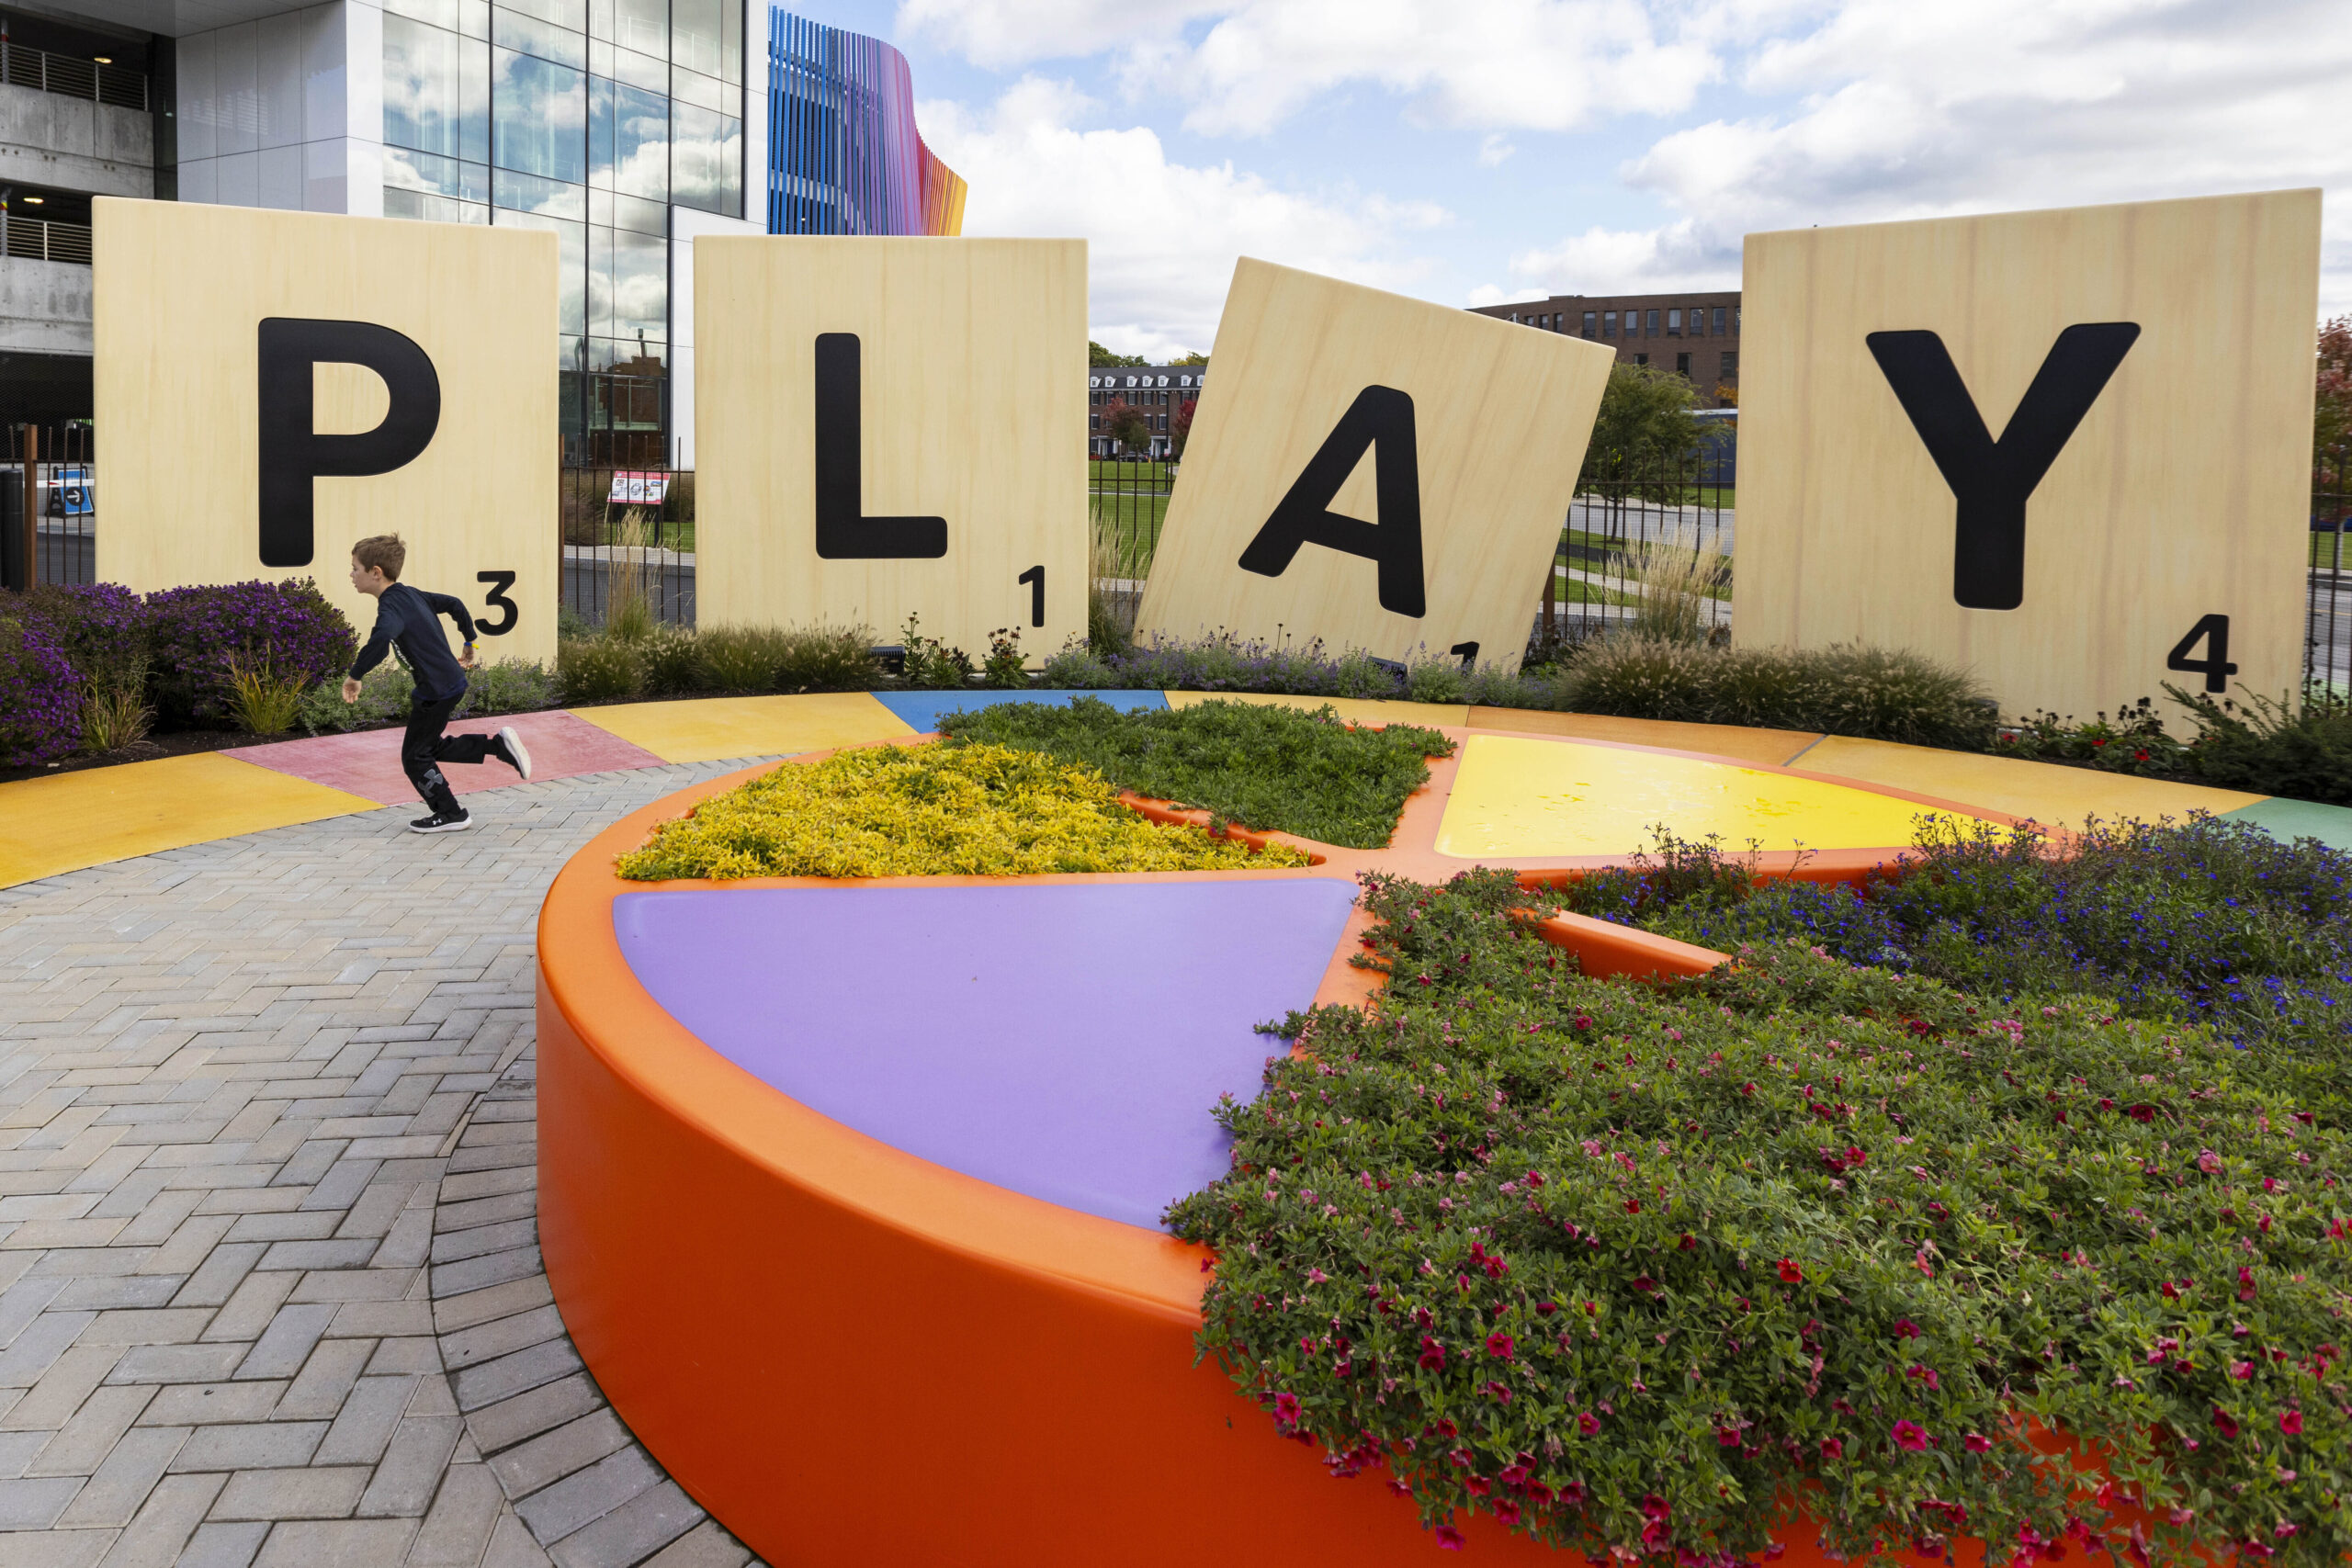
point(516, 753)
point(456, 821)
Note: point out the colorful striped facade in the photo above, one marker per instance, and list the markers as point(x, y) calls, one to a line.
point(843, 154)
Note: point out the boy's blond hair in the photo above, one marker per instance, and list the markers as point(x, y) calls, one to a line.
point(383, 552)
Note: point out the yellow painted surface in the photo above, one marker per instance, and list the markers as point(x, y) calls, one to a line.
point(1773, 746)
point(1357, 710)
point(1500, 417)
point(1518, 796)
point(181, 290)
point(2183, 492)
point(2047, 793)
point(972, 371)
point(54, 825)
point(711, 730)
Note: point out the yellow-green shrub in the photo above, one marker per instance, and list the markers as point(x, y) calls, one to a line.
point(927, 810)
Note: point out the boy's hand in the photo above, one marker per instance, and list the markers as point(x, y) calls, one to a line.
point(466, 659)
point(350, 689)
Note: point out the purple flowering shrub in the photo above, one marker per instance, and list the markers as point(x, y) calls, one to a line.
point(1660, 1273)
point(41, 693)
point(197, 635)
point(101, 628)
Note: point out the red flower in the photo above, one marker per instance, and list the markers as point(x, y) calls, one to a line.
point(2224, 1422)
point(1501, 1345)
point(1656, 1508)
point(2245, 1284)
point(1832, 1448)
point(1448, 1539)
point(1432, 1353)
point(1286, 1409)
point(1727, 1437)
point(1644, 1284)
point(1632, 1205)
point(1588, 1423)
point(2292, 1423)
point(1910, 1437)
point(1545, 1309)
point(1500, 1392)
point(1906, 1329)
point(1689, 1242)
point(1790, 1274)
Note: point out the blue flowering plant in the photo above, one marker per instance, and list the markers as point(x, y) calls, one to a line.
point(41, 692)
point(1664, 1274)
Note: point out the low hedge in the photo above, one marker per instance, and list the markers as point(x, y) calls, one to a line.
point(1657, 1273)
point(1265, 767)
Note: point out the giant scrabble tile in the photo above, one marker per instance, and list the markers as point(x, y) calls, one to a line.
point(275, 386)
point(889, 427)
point(2070, 449)
point(1378, 472)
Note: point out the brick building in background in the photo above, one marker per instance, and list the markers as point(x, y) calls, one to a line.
point(1694, 334)
point(1155, 392)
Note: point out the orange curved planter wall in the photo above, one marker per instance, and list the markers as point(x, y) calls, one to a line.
point(856, 1358)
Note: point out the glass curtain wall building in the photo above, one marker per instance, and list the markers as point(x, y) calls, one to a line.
point(591, 119)
point(844, 155)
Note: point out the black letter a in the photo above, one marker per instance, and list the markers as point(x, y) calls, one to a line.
point(293, 453)
point(844, 531)
point(1991, 479)
point(1382, 419)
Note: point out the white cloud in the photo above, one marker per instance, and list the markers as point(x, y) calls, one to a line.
point(1494, 150)
point(1538, 64)
point(1905, 110)
point(1162, 237)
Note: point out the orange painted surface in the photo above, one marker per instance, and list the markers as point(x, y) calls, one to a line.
point(852, 1356)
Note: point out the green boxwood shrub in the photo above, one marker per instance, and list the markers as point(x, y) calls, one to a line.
point(1656, 1272)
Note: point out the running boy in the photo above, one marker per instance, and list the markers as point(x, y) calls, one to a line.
point(410, 620)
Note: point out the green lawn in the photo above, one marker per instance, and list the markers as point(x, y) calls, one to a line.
point(1104, 471)
point(2332, 550)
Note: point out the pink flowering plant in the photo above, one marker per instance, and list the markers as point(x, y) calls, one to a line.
point(1654, 1273)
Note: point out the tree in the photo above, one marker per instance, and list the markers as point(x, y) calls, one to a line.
point(2332, 411)
point(1124, 423)
point(1180, 426)
point(1193, 358)
point(1645, 419)
point(1097, 356)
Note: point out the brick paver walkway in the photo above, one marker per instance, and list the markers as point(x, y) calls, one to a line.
point(269, 1283)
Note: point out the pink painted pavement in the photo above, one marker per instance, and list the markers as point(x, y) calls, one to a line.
point(369, 764)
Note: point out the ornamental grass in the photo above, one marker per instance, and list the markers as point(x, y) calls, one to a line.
point(1658, 1272)
point(930, 810)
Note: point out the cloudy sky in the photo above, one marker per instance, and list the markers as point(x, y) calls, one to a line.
point(1477, 150)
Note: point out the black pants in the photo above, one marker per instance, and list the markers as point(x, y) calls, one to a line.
point(424, 746)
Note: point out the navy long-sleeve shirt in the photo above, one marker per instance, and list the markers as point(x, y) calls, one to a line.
point(410, 619)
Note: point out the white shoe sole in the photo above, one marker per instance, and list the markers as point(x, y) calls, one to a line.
point(459, 826)
point(522, 752)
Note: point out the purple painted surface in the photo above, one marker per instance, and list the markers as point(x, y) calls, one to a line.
point(1067, 1041)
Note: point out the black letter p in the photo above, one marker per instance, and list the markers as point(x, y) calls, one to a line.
point(293, 453)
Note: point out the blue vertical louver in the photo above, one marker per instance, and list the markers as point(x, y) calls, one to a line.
point(843, 154)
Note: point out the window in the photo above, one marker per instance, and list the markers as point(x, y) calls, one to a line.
point(628, 140)
point(1640, 359)
point(1719, 320)
point(1674, 323)
point(1590, 329)
point(1650, 326)
point(437, 91)
point(1698, 320)
point(541, 121)
point(1682, 365)
point(1633, 324)
point(1608, 323)
point(707, 159)
point(1731, 368)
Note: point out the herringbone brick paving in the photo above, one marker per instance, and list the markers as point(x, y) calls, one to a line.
point(270, 1291)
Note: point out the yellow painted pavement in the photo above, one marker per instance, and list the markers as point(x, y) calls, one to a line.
point(2058, 796)
point(1524, 797)
point(1357, 710)
point(1773, 746)
point(711, 730)
point(96, 814)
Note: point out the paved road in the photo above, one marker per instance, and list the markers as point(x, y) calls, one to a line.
point(270, 1290)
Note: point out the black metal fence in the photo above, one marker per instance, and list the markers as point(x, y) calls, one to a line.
point(628, 533)
point(57, 490)
point(1656, 530)
point(2327, 642)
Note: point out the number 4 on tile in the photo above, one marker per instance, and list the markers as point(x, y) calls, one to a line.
point(2214, 631)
